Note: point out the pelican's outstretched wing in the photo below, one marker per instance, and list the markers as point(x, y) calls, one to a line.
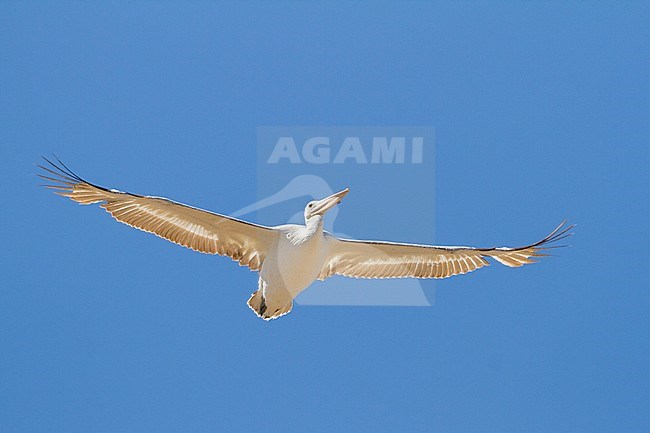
point(376, 259)
point(190, 227)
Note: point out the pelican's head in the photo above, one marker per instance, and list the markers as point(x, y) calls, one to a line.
point(319, 207)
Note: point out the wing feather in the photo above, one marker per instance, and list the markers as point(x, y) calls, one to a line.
point(376, 259)
point(194, 228)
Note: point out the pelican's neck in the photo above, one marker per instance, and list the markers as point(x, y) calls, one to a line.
point(314, 225)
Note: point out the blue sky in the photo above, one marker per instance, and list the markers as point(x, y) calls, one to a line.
point(540, 112)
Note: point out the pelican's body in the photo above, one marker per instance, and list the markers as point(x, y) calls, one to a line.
point(289, 258)
point(301, 253)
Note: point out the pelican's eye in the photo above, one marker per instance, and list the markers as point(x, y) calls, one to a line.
point(311, 204)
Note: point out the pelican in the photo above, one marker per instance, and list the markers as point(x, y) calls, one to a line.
point(290, 257)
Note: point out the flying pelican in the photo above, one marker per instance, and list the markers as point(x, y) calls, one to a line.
point(289, 258)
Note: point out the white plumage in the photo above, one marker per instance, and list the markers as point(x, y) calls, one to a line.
point(289, 257)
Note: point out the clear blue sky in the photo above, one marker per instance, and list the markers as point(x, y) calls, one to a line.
point(540, 111)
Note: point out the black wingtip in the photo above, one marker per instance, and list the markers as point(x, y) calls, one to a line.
point(63, 173)
point(561, 232)
point(62, 169)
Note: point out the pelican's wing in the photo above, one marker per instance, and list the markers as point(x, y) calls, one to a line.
point(190, 227)
point(376, 259)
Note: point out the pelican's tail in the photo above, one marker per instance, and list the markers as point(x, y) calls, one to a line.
point(267, 310)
